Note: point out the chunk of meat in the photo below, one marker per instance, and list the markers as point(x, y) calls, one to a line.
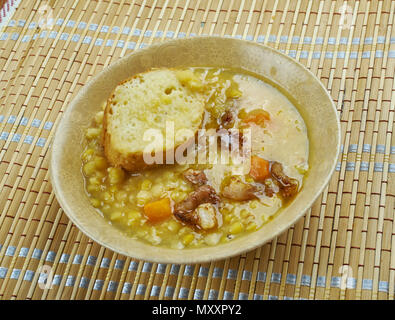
point(232, 140)
point(270, 187)
point(203, 217)
point(227, 119)
point(206, 216)
point(239, 190)
point(195, 176)
point(288, 186)
point(185, 210)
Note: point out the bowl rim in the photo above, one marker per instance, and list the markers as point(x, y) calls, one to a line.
point(248, 246)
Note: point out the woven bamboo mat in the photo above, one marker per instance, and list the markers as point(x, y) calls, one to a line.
point(344, 248)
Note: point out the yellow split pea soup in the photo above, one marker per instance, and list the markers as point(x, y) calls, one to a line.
point(187, 205)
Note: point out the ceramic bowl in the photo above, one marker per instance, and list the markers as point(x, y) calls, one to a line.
point(312, 101)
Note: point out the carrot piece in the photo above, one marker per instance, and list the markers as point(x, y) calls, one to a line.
point(257, 116)
point(158, 210)
point(260, 168)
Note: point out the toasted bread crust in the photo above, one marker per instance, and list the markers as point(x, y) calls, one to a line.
point(132, 161)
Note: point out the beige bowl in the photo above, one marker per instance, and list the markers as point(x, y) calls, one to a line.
point(314, 104)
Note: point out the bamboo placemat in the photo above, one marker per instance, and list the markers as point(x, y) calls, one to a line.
point(344, 248)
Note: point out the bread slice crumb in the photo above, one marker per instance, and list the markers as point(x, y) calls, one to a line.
point(150, 113)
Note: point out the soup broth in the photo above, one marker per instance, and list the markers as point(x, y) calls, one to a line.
point(195, 203)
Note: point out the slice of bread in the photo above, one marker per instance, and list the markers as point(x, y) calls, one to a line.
point(158, 101)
